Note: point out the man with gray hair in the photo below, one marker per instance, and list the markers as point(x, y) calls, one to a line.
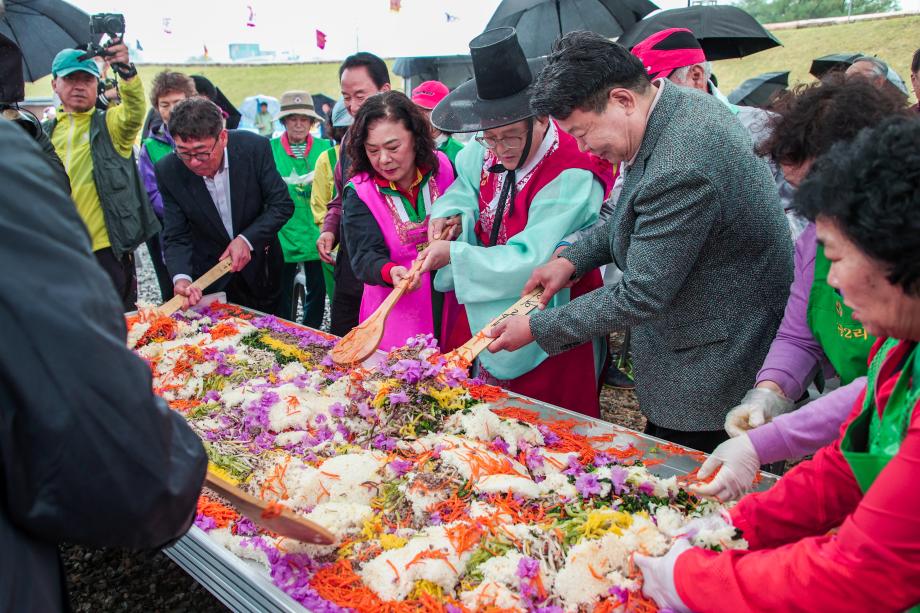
point(697, 231)
point(879, 73)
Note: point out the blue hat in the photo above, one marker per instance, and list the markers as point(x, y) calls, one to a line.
point(68, 61)
point(341, 118)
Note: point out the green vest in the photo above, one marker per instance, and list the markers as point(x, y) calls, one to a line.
point(298, 236)
point(842, 338)
point(451, 147)
point(129, 218)
point(870, 440)
point(156, 149)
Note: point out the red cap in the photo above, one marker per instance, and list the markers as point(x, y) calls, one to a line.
point(428, 94)
point(665, 51)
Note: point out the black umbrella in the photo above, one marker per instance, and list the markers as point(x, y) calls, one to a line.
point(835, 61)
point(41, 28)
point(319, 100)
point(724, 31)
point(540, 22)
point(760, 90)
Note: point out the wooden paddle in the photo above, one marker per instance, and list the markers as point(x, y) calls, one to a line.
point(362, 341)
point(279, 520)
point(175, 303)
point(467, 352)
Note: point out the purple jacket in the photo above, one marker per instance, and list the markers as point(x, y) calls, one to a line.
point(791, 363)
point(145, 165)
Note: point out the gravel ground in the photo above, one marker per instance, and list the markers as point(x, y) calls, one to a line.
point(122, 580)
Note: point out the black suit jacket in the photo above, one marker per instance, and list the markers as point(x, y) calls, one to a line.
point(194, 235)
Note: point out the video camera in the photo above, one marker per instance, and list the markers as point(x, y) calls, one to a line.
point(112, 24)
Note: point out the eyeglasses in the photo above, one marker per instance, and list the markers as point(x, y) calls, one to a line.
point(510, 142)
point(202, 156)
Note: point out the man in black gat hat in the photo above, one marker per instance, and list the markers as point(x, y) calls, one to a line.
point(521, 187)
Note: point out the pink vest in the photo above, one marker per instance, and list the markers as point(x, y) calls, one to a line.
point(412, 314)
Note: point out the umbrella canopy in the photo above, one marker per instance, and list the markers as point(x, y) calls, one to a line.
point(41, 28)
point(724, 31)
point(540, 22)
point(760, 90)
point(835, 61)
point(319, 100)
point(250, 108)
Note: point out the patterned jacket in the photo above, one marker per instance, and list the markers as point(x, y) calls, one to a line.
point(706, 256)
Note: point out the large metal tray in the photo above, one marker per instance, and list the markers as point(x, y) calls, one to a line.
point(245, 587)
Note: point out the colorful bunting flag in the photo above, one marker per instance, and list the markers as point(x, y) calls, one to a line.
point(320, 39)
point(395, 5)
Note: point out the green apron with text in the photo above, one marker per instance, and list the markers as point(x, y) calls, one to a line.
point(842, 338)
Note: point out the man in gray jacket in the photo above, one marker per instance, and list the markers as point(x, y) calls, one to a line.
point(698, 232)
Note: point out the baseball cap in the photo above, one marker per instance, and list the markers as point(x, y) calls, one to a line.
point(68, 61)
point(340, 115)
point(664, 52)
point(428, 94)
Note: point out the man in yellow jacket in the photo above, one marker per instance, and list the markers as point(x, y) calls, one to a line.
point(97, 150)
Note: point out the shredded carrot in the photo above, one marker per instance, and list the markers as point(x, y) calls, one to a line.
point(272, 510)
point(330, 475)
point(223, 329)
point(393, 566)
point(162, 328)
point(431, 554)
point(487, 393)
point(222, 515)
point(463, 536)
point(184, 405)
point(450, 510)
point(595, 574)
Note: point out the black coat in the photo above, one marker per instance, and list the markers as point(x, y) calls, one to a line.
point(88, 454)
point(194, 236)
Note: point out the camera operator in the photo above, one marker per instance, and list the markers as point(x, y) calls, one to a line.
point(97, 150)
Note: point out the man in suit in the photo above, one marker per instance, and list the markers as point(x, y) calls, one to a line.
point(222, 197)
point(698, 232)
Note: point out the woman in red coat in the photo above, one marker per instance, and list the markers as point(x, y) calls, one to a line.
point(840, 532)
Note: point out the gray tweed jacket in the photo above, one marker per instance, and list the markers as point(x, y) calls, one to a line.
point(706, 256)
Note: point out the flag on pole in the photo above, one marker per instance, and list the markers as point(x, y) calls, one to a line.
point(450, 18)
point(167, 25)
point(137, 45)
point(251, 20)
point(320, 39)
point(395, 5)
point(205, 52)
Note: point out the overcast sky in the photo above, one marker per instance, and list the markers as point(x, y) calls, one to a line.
point(174, 30)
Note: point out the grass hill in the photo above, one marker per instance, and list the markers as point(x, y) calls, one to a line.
point(893, 40)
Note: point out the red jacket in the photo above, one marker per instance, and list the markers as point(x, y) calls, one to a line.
point(798, 561)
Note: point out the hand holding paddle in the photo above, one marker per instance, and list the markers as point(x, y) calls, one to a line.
point(178, 301)
point(362, 341)
point(464, 355)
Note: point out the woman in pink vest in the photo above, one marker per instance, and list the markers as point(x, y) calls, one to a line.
point(396, 177)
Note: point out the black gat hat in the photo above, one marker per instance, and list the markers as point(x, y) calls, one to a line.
point(499, 94)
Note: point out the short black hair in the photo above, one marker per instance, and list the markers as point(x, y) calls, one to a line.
point(870, 188)
point(376, 68)
point(395, 106)
point(915, 63)
point(196, 118)
point(580, 72)
point(813, 117)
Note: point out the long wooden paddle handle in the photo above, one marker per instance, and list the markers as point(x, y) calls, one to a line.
point(176, 302)
point(476, 345)
point(390, 301)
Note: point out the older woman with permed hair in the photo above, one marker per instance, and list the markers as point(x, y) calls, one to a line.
point(840, 532)
point(396, 177)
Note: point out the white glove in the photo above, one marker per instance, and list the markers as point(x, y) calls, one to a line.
point(658, 577)
point(758, 406)
point(739, 462)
